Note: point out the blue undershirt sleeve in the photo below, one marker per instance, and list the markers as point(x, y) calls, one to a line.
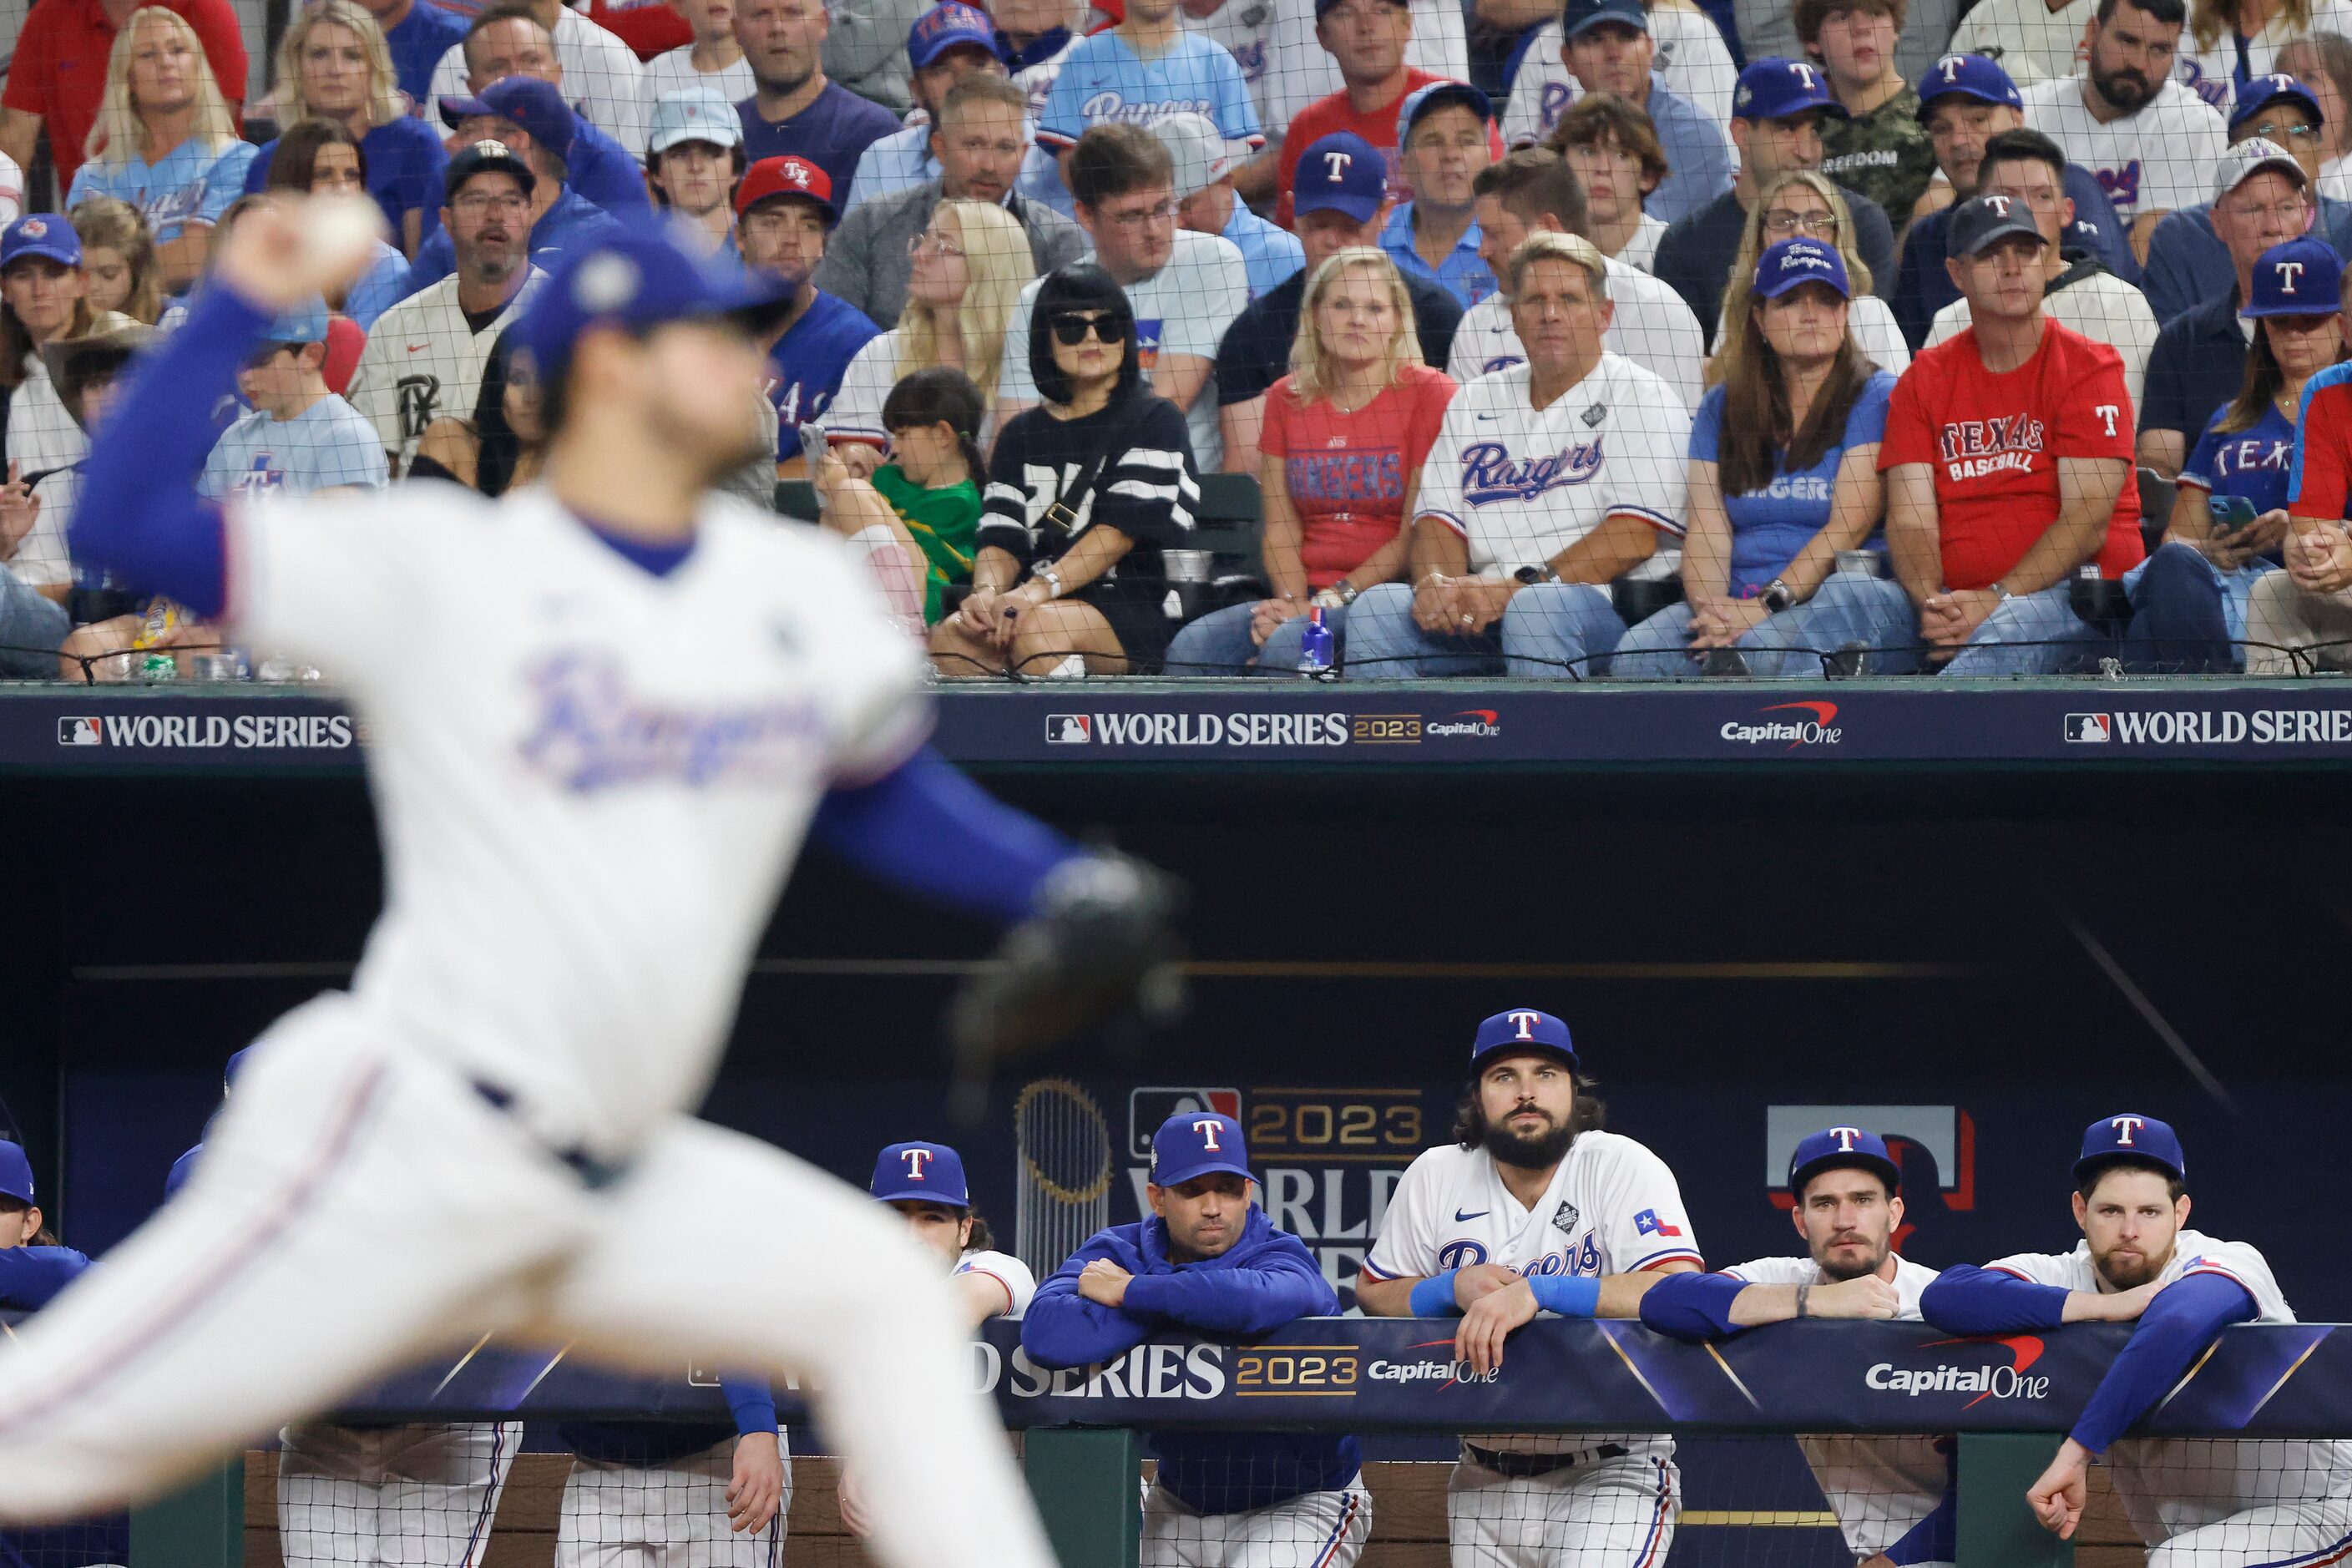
point(2175, 1329)
point(1693, 1307)
point(752, 1402)
point(928, 830)
point(1965, 1300)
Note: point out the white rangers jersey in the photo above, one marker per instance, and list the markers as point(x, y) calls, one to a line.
point(1877, 1487)
point(2159, 158)
point(1652, 326)
point(1019, 1284)
point(424, 360)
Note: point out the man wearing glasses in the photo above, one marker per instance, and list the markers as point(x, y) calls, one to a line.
point(530, 118)
point(784, 210)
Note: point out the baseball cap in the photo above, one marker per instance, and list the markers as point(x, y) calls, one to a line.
point(786, 176)
point(40, 234)
point(943, 27)
point(1775, 89)
point(1437, 95)
point(2303, 277)
point(1198, 148)
point(1791, 262)
point(306, 323)
point(536, 106)
point(1580, 15)
point(1194, 1143)
point(16, 1172)
point(694, 114)
point(1342, 172)
point(2131, 1137)
point(1323, 6)
point(635, 277)
point(1521, 1029)
point(496, 156)
point(2240, 163)
point(920, 1173)
point(1968, 76)
point(1980, 220)
point(2261, 91)
point(236, 1066)
point(1837, 1148)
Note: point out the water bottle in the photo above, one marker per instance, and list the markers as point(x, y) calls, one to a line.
point(1315, 646)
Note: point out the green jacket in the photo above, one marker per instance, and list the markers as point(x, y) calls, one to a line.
point(944, 521)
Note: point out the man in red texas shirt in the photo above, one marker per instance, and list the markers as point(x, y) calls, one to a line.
point(2008, 458)
point(58, 75)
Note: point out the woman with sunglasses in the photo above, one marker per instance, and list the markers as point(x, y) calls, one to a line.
point(1084, 492)
point(1806, 205)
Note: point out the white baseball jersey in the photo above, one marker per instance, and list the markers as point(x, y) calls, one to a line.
point(601, 79)
point(2032, 43)
point(1520, 484)
point(1652, 326)
point(856, 412)
point(2099, 305)
point(2171, 1484)
point(1877, 1487)
point(422, 361)
point(675, 72)
point(2157, 159)
point(592, 779)
point(1612, 1208)
point(12, 190)
point(1690, 59)
point(2211, 74)
point(1019, 1284)
point(44, 438)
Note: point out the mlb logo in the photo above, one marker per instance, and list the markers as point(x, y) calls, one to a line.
point(1068, 729)
point(1148, 1107)
point(2089, 728)
point(80, 732)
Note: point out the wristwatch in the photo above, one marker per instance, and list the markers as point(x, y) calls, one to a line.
point(1531, 575)
point(1777, 596)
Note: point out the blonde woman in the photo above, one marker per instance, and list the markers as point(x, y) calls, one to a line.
point(164, 142)
point(971, 264)
point(2230, 41)
point(1806, 205)
point(1339, 461)
point(333, 64)
point(118, 256)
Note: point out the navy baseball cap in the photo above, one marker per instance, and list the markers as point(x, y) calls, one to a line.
point(2303, 277)
point(1521, 1029)
point(1968, 76)
point(946, 27)
point(1775, 89)
point(495, 156)
point(41, 234)
point(1195, 1144)
point(1343, 173)
point(1581, 14)
point(1982, 220)
point(1791, 262)
point(16, 1172)
point(920, 1173)
point(1839, 1148)
point(1437, 95)
point(536, 106)
point(2142, 1138)
point(2261, 91)
point(637, 279)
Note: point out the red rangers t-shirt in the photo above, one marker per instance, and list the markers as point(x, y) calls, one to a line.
point(1331, 114)
point(1347, 474)
point(2321, 483)
point(1994, 442)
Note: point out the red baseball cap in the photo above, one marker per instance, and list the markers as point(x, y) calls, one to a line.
point(786, 177)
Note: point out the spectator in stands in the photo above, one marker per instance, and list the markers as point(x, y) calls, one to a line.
point(2187, 262)
point(595, 69)
point(2189, 598)
point(1209, 1261)
point(949, 42)
point(1769, 30)
point(57, 76)
point(2076, 292)
point(1205, 203)
point(32, 627)
point(795, 110)
point(783, 213)
point(1534, 191)
point(1146, 67)
point(425, 356)
point(2033, 40)
point(1445, 131)
point(1777, 130)
point(1613, 150)
point(2151, 141)
point(1342, 447)
point(502, 444)
point(1245, 31)
point(1341, 184)
point(118, 256)
point(1185, 288)
point(694, 160)
point(297, 437)
point(1305, 69)
point(164, 142)
point(530, 117)
point(1688, 57)
point(714, 61)
point(1368, 39)
point(1608, 48)
point(980, 143)
point(418, 33)
point(916, 516)
point(2261, 199)
point(866, 48)
point(2230, 44)
point(1808, 204)
point(1783, 477)
point(970, 265)
point(1036, 36)
point(43, 300)
point(1879, 148)
point(1084, 493)
point(2322, 62)
point(508, 39)
point(2007, 463)
point(1549, 480)
point(320, 155)
point(2300, 619)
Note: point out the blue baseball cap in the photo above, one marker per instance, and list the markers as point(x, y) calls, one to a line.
point(1194, 1143)
point(236, 1066)
point(1775, 89)
point(1437, 95)
point(694, 114)
point(1581, 14)
point(16, 1172)
point(1968, 76)
point(920, 1173)
point(40, 234)
point(1791, 262)
point(1838, 1148)
point(1343, 173)
point(2304, 277)
point(636, 279)
point(2143, 1139)
point(535, 106)
point(306, 323)
point(1521, 1029)
point(946, 27)
point(2261, 91)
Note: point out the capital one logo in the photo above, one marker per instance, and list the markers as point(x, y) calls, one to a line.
point(915, 1160)
point(1993, 1380)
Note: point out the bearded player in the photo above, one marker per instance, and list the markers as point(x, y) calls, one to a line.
point(606, 712)
point(2198, 1503)
point(1534, 1208)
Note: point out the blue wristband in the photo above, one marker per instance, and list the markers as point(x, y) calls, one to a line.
point(1434, 1296)
point(1570, 1296)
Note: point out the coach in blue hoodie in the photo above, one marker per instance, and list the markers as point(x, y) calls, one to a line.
point(1209, 1260)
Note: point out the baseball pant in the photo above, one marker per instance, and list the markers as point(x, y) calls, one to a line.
point(1848, 608)
point(2277, 1535)
point(1611, 1513)
point(403, 1497)
point(360, 1209)
point(1552, 631)
point(2280, 616)
point(663, 1516)
point(1313, 1529)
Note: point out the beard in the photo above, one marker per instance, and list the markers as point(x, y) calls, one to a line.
point(2128, 1276)
point(2126, 89)
point(1839, 1272)
point(1529, 1151)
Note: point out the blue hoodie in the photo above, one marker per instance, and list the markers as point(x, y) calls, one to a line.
point(1263, 1280)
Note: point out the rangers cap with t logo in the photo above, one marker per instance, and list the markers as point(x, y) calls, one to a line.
point(1981, 221)
point(1968, 76)
point(1840, 1147)
point(1522, 1029)
point(920, 1173)
point(1775, 89)
point(1195, 1144)
point(2142, 1140)
point(2300, 278)
point(1342, 172)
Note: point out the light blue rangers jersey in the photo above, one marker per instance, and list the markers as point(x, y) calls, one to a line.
point(1104, 80)
point(191, 183)
point(329, 444)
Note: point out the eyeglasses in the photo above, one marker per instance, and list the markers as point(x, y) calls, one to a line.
point(1162, 212)
point(1071, 330)
point(2297, 135)
point(939, 245)
point(476, 202)
point(1781, 220)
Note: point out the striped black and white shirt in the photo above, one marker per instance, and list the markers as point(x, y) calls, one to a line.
point(1146, 490)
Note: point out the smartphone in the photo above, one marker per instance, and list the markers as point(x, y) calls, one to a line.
point(2230, 513)
point(812, 447)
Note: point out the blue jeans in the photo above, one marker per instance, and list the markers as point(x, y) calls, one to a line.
point(1219, 643)
point(2030, 634)
point(2188, 615)
point(1551, 631)
point(1848, 608)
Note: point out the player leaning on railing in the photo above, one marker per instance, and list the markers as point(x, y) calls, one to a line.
point(605, 713)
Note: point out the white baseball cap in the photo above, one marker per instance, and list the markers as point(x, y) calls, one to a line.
point(2250, 157)
point(694, 114)
point(1201, 156)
